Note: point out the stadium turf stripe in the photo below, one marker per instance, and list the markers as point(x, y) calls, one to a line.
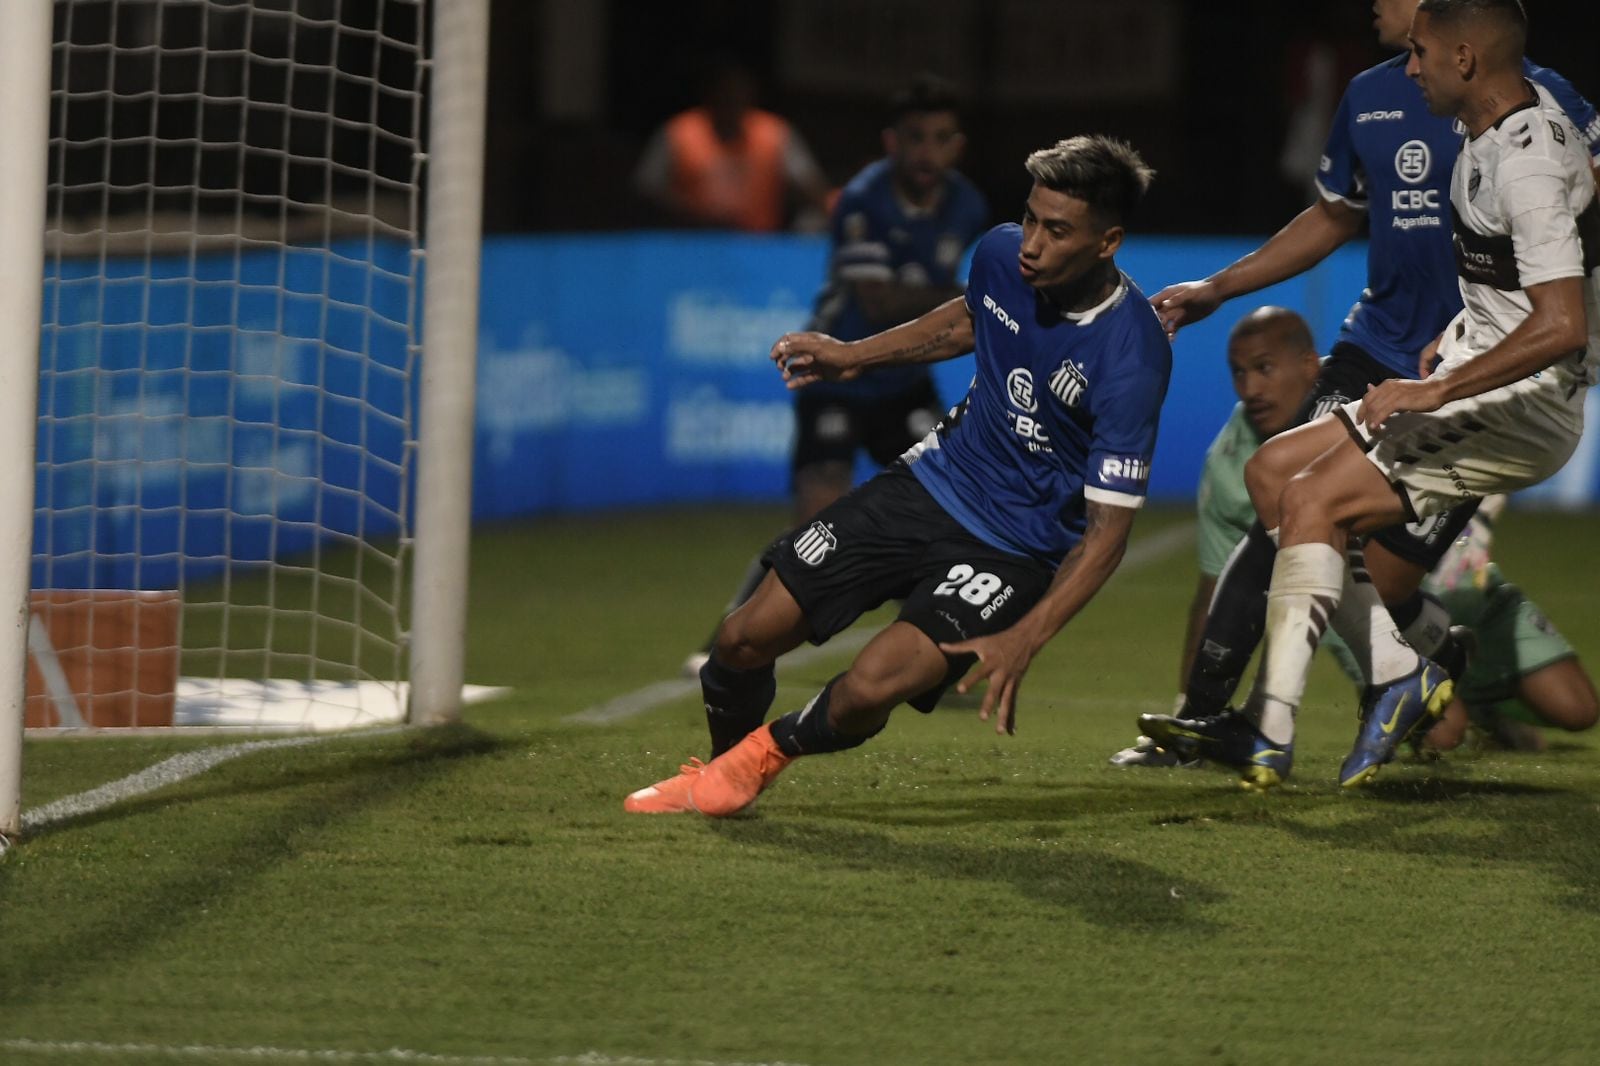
point(1141, 553)
point(212, 1053)
point(164, 773)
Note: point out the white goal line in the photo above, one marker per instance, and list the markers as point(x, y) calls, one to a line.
point(53, 1048)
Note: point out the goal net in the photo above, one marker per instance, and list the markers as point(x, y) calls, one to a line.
point(229, 346)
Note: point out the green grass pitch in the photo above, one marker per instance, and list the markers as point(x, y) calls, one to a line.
point(942, 895)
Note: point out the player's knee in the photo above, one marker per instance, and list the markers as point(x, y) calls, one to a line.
point(1575, 709)
point(1302, 499)
point(1263, 482)
point(737, 647)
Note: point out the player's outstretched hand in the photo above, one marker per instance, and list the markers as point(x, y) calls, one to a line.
point(1184, 303)
point(1396, 395)
point(1003, 659)
point(809, 357)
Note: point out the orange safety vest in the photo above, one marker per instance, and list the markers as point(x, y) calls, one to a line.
point(743, 181)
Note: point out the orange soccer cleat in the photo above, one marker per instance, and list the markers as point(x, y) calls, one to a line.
point(666, 797)
point(731, 782)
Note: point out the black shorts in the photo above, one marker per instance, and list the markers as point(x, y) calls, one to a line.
point(889, 539)
point(831, 427)
point(1346, 374)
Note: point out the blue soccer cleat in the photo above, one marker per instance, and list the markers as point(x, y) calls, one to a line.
point(1391, 713)
point(1228, 738)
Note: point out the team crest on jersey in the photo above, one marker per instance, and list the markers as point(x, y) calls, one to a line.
point(855, 227)
point(814, 544)
point(1068, 383)
point(1473, 183)
point(1557, 133)
point(1019, 383)
point(1413, 161)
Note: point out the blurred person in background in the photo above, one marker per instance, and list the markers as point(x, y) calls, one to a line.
point(1385, 168)
point(900, 230)
point(728, 164)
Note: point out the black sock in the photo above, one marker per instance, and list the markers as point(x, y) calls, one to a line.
point(1234, 626)
point(736, 701)
point(807, 732)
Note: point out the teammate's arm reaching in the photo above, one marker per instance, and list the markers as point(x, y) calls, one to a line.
point(1310, 237)
point(1004, 657)
point(943, 333)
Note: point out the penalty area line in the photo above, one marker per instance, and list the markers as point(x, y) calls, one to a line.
point(213, 1053)
point(1140, 553)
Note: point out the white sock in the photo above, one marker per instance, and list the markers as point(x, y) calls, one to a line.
point(1306, 583)
point(1367, 628)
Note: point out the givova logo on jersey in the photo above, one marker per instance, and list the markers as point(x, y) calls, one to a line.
point(814, 544)
point(1068, 383)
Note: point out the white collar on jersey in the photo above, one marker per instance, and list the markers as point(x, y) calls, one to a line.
point(1083, 318)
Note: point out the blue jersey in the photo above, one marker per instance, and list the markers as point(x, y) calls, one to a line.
point(1389, 156)
point(878, 237)
point(1063, 409)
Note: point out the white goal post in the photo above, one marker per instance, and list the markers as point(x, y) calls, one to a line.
point(237, 421)
point(24, 135)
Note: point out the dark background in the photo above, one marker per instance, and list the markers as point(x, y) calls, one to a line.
point(1207, 90)
point(1215, 137)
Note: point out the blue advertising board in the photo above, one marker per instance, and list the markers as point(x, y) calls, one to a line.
point(241, 407)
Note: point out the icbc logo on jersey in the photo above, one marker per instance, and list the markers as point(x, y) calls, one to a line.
point(1413, 161)
point(1019, 383)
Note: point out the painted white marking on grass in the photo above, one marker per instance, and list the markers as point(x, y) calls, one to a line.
point(164, 773)
point(50, 1048)
point(1140, 553)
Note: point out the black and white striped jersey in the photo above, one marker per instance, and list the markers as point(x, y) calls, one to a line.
point(1526, 213)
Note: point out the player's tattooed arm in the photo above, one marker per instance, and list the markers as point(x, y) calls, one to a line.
point(943, 333)
point(1004, 657)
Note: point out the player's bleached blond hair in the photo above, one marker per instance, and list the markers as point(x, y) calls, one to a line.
point(1103, 172)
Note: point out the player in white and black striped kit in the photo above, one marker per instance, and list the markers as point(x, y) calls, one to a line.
point(1504, 409)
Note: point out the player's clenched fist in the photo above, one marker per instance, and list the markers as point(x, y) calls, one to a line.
point(808, 357)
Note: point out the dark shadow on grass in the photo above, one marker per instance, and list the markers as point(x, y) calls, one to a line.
point(977, 801)
point(1438, 788)
point(1438, 815)
point(446, 742)
point(125, 918)
point(1105, 890)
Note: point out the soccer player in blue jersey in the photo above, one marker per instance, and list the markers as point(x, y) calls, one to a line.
point(900, 229)
point(997, 528)
point(1386, 167)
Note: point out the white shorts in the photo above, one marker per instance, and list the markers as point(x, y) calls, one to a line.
point(1498, 441)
